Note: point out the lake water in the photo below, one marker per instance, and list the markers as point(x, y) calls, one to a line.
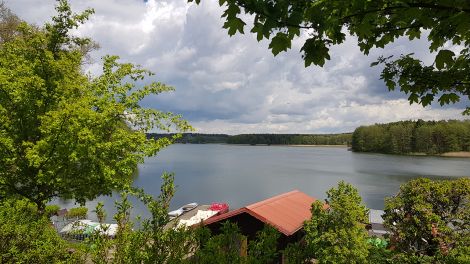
point(240, 175)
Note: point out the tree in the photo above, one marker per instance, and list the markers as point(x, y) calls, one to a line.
point(430, 218)
point(221, 248)
point(337, 234)
point(400, 138)
point(375, 24)
point(9, 22)
point(66, 134)
point(424, 142)
point(26, 237)
point(155, 241)
point(263, 249)
point(432, 137)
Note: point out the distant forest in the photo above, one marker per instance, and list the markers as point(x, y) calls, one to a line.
point(291, 139)
point(194, 138)
point(410, 137)
point(263, 139)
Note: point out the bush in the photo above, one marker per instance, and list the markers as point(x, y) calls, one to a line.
point(77, 212)
point(52, 210)
point(430, 218)
point(27, 237)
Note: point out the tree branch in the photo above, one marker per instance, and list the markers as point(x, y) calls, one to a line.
point(51, 152)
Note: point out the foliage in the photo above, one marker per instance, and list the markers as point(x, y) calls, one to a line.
point(77, 212)
point(430, 218)
point(222, 248)
point(296, 253)
point(194, 138)
point(157, 241)
point(100, 212)
point(26, 237)
point(9, 22)
point(65, 134)
point(375, 24)
point(336, 234)
point(51, 210)
point(405, 137)
point(263, 249)
point(262, 139)
point(291, 139)
point(380, 255)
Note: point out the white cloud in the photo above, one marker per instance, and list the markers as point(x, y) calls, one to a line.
point(234, 84)
point(342, 118)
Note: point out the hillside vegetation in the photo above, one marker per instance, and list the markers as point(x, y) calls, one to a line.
point(409, 137)
point(262, 139)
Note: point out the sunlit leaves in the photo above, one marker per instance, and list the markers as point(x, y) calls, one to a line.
point(335, 233)
point(65, 134)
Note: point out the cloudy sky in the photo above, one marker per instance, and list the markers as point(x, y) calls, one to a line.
point(234, 84)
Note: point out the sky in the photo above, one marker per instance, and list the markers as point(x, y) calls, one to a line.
point(235, 85)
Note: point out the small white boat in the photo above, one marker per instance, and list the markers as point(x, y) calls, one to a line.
point(183, 209)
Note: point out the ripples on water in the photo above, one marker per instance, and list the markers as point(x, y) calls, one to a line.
point(240, 175)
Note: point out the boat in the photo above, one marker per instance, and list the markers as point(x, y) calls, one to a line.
point(183, 209)
point(220, 208)
point(202, 213)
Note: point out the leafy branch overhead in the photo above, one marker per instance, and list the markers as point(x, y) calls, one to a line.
point(375, 24)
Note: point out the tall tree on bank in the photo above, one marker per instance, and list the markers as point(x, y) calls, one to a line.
point(375, 24)
point(336, 234)
point(65, 134)
point(405, 137)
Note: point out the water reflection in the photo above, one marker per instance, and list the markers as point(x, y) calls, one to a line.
point(240, 175)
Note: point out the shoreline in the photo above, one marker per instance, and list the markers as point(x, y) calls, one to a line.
point(459, 154)
point(282, 145)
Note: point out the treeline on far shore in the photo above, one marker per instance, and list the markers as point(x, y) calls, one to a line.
point(194, 138)
point(291, 139)
point(263, 139)
point(413, 137)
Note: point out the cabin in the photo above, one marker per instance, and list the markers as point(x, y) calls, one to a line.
point(286, 212)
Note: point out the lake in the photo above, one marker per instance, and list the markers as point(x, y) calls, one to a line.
point(240, 175)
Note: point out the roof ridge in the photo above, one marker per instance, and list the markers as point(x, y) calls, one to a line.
point(272, 199)
point(286, 212)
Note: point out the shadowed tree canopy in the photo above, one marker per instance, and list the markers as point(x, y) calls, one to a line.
point(431, 218)
point(65, 134)
point(446, 23)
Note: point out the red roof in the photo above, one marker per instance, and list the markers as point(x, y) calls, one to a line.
point(285, 212)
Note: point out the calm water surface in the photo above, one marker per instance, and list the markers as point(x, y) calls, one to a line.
point(240, 175)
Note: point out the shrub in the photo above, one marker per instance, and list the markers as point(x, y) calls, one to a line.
point(52, 210)
point(77, 212)
point(27, 237)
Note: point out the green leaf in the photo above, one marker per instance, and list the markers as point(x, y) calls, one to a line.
point(444, 57)
point(315, 51)
point(279, 43)
point(233, 25)
point(413, 98)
